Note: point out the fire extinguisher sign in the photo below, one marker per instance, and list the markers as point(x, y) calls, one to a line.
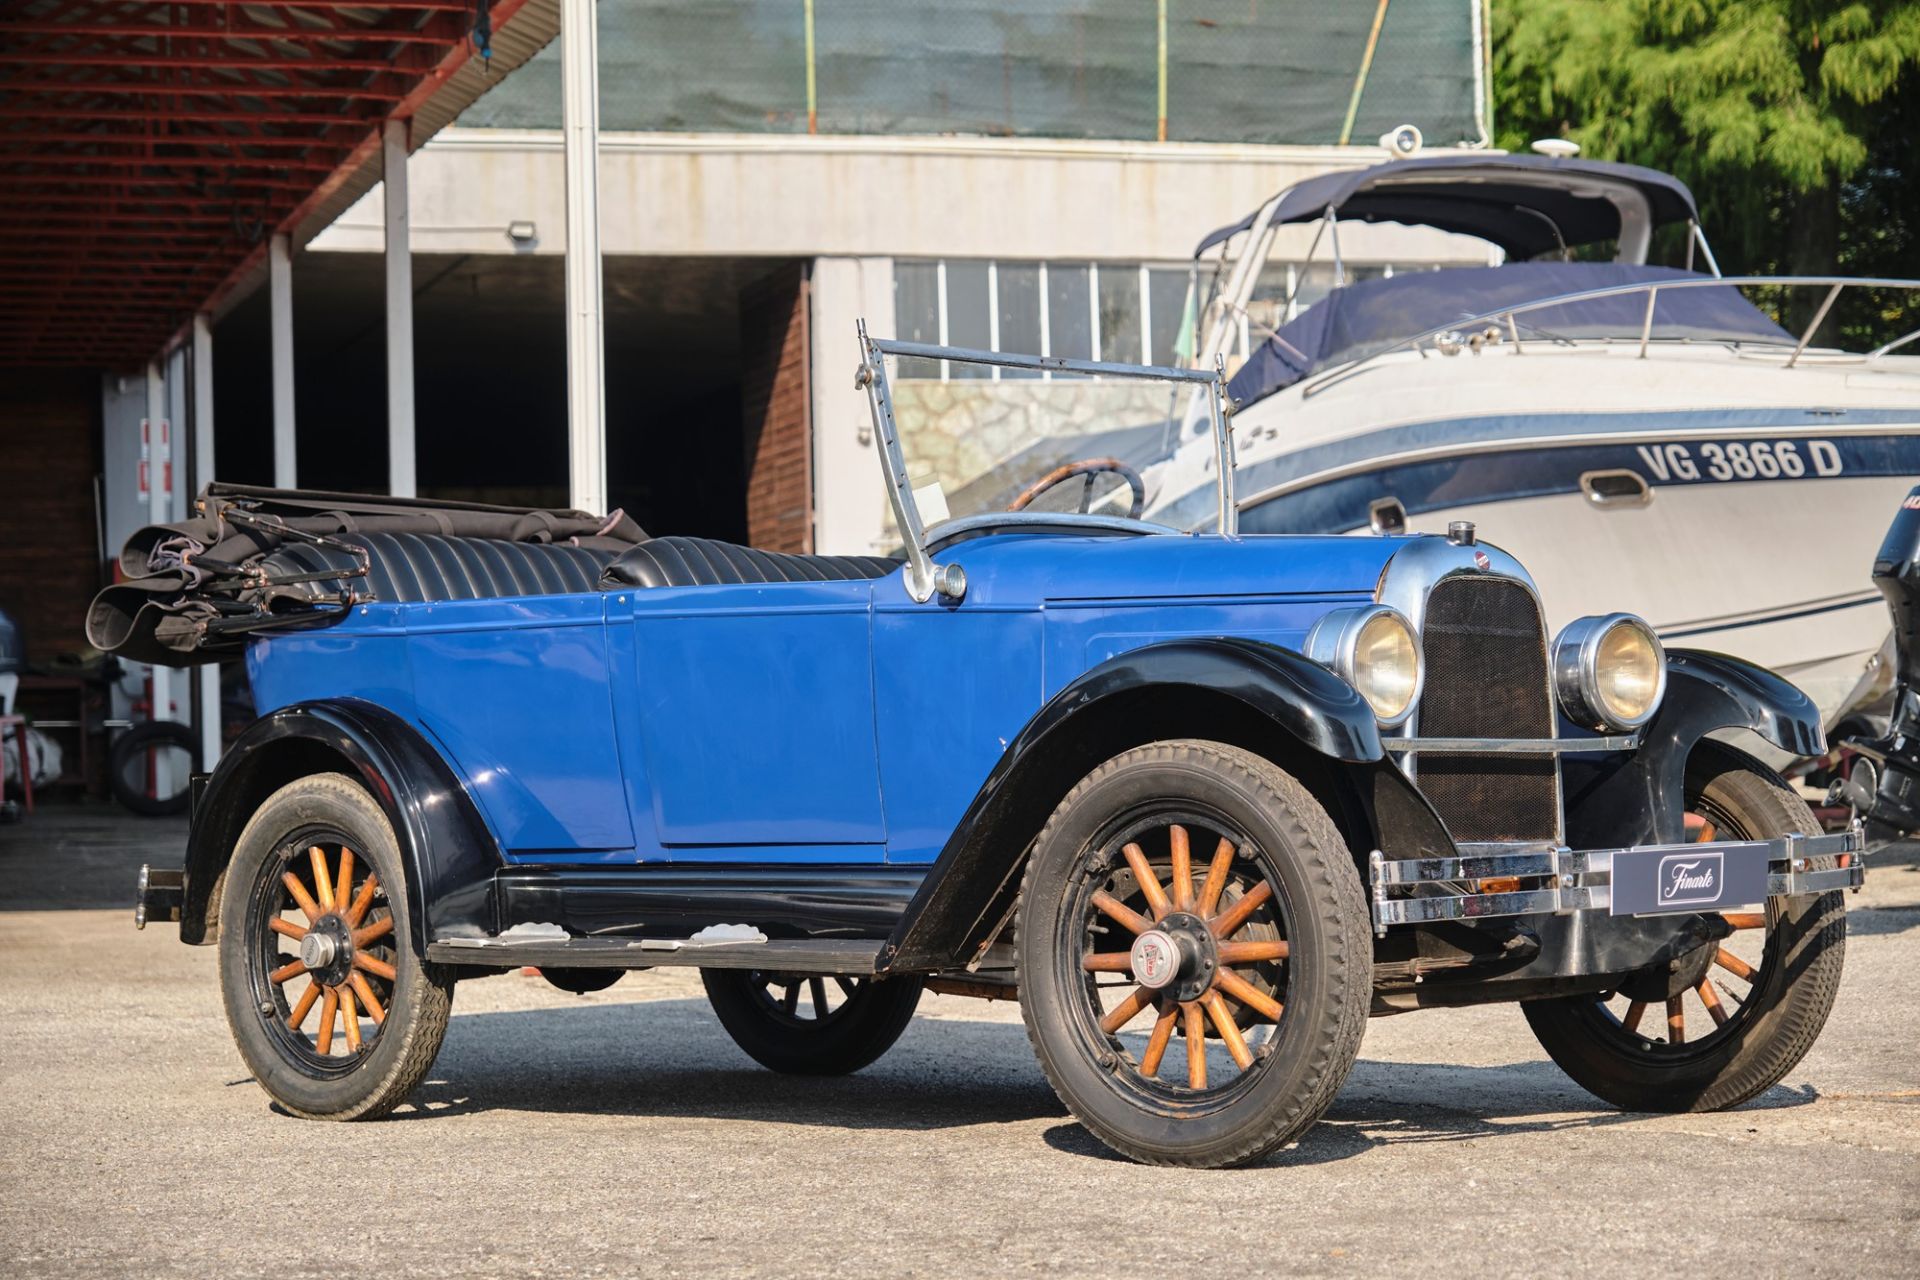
point(151, 452)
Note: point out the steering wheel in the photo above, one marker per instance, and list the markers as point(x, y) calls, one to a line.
point(1088, 467)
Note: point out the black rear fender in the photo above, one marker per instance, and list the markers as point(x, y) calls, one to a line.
point(449, 854)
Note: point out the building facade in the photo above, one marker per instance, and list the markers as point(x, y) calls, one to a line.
point(1025, 175)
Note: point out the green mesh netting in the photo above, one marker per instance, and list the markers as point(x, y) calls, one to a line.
point(1278, 71)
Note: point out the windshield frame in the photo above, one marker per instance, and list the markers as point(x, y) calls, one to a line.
point(923, 577)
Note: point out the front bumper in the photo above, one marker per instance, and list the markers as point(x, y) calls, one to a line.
point(1491, 881)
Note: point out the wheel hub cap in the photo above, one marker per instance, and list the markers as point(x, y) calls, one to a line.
point(1156, 959)
point(318, 949)
point(1177, 957)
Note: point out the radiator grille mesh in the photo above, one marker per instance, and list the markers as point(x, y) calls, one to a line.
point(1486, 677)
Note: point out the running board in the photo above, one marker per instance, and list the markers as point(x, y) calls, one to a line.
point(802, 955)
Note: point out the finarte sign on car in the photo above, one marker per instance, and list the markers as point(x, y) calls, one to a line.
point(1681, 879)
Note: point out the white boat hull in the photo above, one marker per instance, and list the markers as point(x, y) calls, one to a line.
point(1769, 488)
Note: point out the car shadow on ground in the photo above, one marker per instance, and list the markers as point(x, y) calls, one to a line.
point(669, 1059)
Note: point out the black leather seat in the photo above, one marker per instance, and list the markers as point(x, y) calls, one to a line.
point(701, 562)
point(409, 568)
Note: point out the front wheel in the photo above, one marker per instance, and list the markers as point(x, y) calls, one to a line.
point(811, 1024)
point(1724, 1024)
point(335, 1013)
point(1201, 885)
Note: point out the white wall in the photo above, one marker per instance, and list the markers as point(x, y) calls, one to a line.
point(780, 195)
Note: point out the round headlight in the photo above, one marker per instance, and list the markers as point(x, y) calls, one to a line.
point(1374, 650)
point(1610, 671)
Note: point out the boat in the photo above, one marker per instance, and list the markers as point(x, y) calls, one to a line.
point(1632, 432)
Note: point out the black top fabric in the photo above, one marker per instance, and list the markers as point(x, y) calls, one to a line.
point(1369, 315)
point(1517, 202)
point(699, 562)
point(410, 568)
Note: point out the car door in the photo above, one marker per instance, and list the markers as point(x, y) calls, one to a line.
point(755, 705)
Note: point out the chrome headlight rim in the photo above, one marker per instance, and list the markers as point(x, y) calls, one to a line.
point(1334, 642)
point(1576, 674)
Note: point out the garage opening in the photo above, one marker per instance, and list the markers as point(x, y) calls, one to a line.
point(708, 425)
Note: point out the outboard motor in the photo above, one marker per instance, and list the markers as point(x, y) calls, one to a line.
point(1884, 783)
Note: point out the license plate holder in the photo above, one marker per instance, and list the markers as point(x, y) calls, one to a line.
point(1686, 879)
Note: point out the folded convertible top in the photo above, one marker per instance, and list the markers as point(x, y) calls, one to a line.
point(194, 589)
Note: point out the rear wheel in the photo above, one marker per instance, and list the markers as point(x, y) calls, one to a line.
point(1727, 1022)
point(336, 1015)
point(1192, 889)
point(811, 1024)
point(149, 766)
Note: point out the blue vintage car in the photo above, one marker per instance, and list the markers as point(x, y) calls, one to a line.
point(1200, 802)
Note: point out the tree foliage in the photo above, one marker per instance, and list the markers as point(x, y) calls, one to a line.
point(1793, 120)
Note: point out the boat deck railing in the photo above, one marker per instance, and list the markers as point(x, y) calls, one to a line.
point(1506, 317)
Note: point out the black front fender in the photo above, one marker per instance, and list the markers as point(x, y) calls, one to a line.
point(1640, 798)
point(449, 854)
point(1085, 724)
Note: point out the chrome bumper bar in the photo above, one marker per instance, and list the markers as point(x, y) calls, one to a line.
point(1549, 880)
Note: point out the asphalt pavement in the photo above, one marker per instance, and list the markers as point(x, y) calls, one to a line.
point(622, 1133)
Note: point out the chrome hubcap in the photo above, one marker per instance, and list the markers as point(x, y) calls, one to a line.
point(1156, 959)
point(318, 949)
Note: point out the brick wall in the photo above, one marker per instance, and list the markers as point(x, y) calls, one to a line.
point(776, 409)
point(49, 540)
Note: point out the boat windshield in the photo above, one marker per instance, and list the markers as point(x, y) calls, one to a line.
point(975, 434)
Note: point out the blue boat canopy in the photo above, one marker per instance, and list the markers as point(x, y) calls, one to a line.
point(1528, 205)
point(1370, 314)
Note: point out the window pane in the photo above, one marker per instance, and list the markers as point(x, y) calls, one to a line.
point(1019, 312)
point(916, 312)
point(1068, 322)
point(1120, 313)
point(1172, 321)
point(967, 314)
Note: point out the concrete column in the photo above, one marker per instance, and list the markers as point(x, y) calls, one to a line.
point(399, 260)
point(206, 681)
point(280, 304)
point(159, 511)
point(586, 345)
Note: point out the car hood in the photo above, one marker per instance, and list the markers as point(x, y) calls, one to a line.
point(1034, 570)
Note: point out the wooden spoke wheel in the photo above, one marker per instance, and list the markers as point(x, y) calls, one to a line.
point(326, 964)
point(1716, 984)
point(1202, 949)
point(337, 1016)
point(811, 1023)
point(803, 999)
point(1726, 1020)
point(1194, 958)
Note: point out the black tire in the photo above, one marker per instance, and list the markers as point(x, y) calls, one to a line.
point(826, 1039)
point(127, 761)
point(331, 813)
point(1790, 990)
point(1266, 827)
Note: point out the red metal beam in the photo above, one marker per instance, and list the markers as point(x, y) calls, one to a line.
point(223, 93)
point(87, 223)
point(170, 161)
point(76, 114)
point(121, 138)
point(131, 58)
point(35, 181)
point(351, 34)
